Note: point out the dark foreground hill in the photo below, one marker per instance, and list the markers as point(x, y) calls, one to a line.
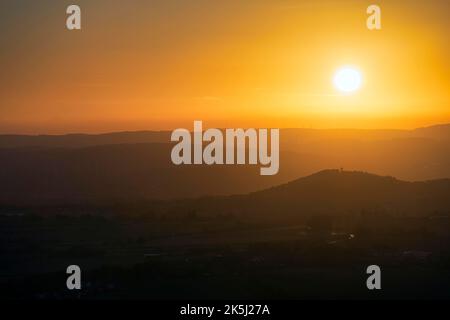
point(311, 238)
point(335, 193)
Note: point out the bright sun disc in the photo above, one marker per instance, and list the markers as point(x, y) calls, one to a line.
point(347, 79)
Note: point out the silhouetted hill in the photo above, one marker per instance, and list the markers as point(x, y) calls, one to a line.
point(441, 131)
point(113, 167)
point(335, 193)
point(120, 173)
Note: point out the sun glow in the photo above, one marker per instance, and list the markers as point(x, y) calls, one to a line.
point(347, 79)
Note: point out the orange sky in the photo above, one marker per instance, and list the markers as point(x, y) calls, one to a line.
point(248, 63)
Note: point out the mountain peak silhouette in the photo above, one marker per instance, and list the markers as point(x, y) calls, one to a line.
point(339, 179)
point(337, 191)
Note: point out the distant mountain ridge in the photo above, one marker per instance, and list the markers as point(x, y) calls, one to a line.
point(83, 140)
point(79, 140)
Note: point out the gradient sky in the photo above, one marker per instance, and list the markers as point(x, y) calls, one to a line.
point(250, 63)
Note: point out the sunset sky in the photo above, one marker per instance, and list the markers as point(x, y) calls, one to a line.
point(153, 65)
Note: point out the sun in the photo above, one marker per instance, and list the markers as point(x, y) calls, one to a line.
point(347, 79)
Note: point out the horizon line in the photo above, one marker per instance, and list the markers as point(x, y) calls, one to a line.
point(170, 130)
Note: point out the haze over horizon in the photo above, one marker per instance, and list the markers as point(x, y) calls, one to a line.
point(166, 130)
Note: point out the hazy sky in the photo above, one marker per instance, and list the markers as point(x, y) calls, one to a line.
point(267, 63)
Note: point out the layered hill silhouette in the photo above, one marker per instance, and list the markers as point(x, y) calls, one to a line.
point(135, 166)
point(116, 173)
point(335, 193)
point(439, 132)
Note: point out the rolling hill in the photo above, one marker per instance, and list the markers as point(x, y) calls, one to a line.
point(136, 166)
point(334, 193)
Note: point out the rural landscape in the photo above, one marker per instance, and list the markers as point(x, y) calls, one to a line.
point(143, 228)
